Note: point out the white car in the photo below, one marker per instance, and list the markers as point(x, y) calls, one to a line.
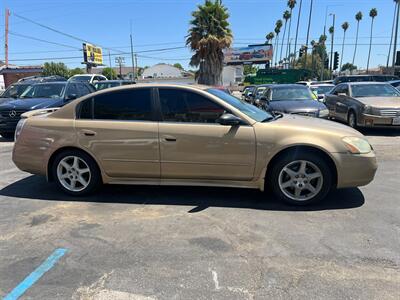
point(89, 78)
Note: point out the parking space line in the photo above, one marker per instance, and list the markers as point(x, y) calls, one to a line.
point(30, 280)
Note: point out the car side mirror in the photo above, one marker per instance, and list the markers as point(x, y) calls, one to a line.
point(229, 120)
point(250, 95)
point(342, 94)
point(71, 97)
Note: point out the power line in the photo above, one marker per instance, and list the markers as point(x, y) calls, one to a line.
point(43, 41)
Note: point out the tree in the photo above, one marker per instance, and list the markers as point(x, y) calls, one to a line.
point(372, 13)
point(53, 68)
point(178, 65)
point(249, 69)
point(269, 37)
point(291, 4)
point(109, 73)
point(286, 17)
point(209, 34)
point(348, 66)
point(359, 17)
point(278, 26)
point(297, 30)
point(345, 26)
point(75, 71)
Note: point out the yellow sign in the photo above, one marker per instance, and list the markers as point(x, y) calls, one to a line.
point(92, 55)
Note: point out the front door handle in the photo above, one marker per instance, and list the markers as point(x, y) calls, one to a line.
point(86, 132)
point(169, 138)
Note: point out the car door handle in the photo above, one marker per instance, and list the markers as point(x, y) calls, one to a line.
point(169, 138)
point(86, 132)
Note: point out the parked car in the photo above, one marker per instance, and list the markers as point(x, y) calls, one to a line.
point(321, 89)
point(248, 93)
point(362, 78)
point(15, 90)
point(40, 95)
point(395, 83)
point(258, 93)
point(189, 135)
point(292, 99)
point(89, 78)
point(365, 104)
point(106, 84)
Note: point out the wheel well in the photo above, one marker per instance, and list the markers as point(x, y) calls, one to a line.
point(58, 151)
point(309, 149)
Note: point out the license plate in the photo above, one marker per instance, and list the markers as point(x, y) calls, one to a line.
point(396, 121)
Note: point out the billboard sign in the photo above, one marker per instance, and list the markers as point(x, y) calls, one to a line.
point(252, 54)
point(92, 55)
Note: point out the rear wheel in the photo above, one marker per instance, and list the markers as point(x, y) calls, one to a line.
point(301, 178)
point(76, 173)
point(352, 119)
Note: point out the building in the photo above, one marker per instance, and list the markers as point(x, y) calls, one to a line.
point(232, 75)
point(13, 73)
point(126, 72)
point(162, 71)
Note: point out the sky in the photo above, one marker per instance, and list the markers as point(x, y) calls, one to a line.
point(161, 24)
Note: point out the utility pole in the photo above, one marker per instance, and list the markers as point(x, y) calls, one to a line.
point(136, 66)
point(333, 36)
point(7, 14)
point(395, 37)
point(109, 60)
point(308, 33)
point(120, 61)
point(133, 60)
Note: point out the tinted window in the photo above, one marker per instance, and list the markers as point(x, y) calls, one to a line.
point(15, 90)
point(374, 90)
point(85, 109)
point(184, 106)
point(83, 89)
point(291, 93)
point(72, 90)
point(44, 90)
point(124, 105)
point(341, 89)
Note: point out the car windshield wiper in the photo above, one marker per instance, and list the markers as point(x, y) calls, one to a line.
point(277, 115)
point(267, 119)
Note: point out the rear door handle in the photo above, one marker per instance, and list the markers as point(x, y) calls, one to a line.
point(86, 132)
point(169, 138)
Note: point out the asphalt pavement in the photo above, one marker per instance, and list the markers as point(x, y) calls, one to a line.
point(143, 242)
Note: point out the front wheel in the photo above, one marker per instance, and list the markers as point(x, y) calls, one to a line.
point(352, 119)
point(76, 173)
point(301, 178)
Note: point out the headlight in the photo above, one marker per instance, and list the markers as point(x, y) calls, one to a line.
point(367, 109)
point(18, 130)
point(357, 145)
point(323, 113)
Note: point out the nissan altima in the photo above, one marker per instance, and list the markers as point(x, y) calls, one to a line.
point(189, 135)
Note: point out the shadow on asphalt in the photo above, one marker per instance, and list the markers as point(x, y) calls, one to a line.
point(3, 140)
point(380, 131)
point(36, 187)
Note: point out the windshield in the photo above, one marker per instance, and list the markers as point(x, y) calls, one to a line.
point(291, 94)
point(85, 78)
point(44, 91)
point(14, 91)
point(322, 90)
point(248, 109)
point(374, 90)
point(260, 90)
point(105, 85)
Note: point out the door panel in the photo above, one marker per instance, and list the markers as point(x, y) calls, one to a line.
point(207, 151)
point(124, 148)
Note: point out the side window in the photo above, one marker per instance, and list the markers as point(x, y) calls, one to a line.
point(72, 90)
point(184, 106)
point(341, 89)
point(85, 109)
point(128, 105)
point(83, 89)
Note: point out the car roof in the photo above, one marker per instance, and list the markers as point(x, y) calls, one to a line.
point(114, 80)
point(365, 83)
point(51, 82)
point(322, 84)
point(288, 85)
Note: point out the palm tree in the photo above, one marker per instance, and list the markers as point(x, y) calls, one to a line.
point(396, 2)
point(395, 37)
point(345, 26)
point(372, 13)
point(278, 26)
point(270, 36)
point(291, 4)
point(208, 35)
point(286, 17)
point(297, 32)
point(359, 17)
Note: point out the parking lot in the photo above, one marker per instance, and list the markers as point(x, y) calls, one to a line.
point(202, 243)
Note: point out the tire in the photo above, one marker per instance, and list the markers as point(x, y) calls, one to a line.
point(76, 166)
point(284, 183)
point(7, 135)
point(352, 119)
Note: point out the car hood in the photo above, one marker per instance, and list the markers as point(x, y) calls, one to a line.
point(31, 103)
point(293, 106)
point(381, 102)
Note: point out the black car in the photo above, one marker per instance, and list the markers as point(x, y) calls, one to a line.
point(292, 99)
point(38, 96)
point(363, 78)
point(106, 84)
point(15, 90)
point(259, 92)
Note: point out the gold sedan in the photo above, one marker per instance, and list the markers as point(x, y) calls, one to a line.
point(189, 135)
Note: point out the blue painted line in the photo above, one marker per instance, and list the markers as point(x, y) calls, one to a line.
point(21, 288)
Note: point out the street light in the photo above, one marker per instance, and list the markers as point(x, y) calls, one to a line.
point(333, 36)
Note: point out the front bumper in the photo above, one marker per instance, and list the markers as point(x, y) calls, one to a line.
point(367, 120)
point(8, 125)
point(355, 169)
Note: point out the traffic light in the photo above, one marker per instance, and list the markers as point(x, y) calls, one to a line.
point(336, 61)
point(326, 63)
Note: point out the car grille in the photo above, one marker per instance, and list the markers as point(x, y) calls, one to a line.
point(11, 114)
point(390, 112)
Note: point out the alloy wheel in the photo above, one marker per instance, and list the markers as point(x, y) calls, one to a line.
point(300, 180)
point(73, 173)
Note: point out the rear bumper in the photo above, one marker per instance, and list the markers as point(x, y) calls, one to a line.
point(355, 169)
point(366, 120)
